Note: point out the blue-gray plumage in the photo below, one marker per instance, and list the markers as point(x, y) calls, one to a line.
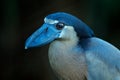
point(74, 52)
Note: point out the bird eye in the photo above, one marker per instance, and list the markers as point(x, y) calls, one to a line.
point(60, 25)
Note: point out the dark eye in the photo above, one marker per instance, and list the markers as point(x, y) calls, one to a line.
point(60, 25)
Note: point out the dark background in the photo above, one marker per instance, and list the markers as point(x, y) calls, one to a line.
point(19, 18)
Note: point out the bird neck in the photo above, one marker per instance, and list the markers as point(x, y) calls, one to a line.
point(64, 47)
point(67, 59)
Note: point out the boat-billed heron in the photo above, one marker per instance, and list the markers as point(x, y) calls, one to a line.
point(75, 53)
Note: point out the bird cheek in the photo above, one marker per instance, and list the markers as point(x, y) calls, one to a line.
point(64, 34)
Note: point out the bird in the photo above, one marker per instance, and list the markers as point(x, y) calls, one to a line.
point(75, 53)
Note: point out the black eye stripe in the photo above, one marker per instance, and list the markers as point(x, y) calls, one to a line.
point(60, 25)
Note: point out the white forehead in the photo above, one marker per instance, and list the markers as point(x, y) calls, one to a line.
point(50, 21)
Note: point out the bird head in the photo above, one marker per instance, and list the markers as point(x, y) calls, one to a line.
point(59, 26)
